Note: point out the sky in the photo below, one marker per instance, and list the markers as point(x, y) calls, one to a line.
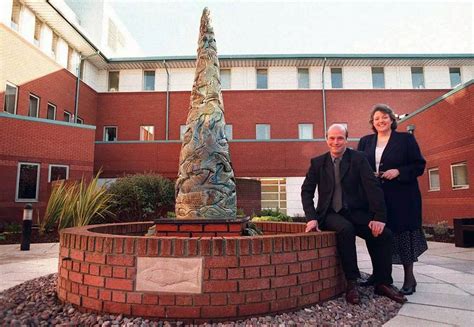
point(170, 28)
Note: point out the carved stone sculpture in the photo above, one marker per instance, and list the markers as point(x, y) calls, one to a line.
point(205, 187)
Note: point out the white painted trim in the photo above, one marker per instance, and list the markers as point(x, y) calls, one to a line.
point(55, 165)
point(16, 97)
point(459, 187)
point(37, 107)
point(116, 133)
point(431, 188)
point(17, 199)
point(69, 114)
point(55, 110)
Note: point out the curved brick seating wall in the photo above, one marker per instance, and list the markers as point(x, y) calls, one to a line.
point(100, 270)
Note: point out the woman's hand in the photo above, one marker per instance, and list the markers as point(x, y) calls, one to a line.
point(390, 174)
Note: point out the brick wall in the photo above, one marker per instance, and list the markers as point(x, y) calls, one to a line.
point(445, 133)
point(41, 142)
point(249, 196)
point(242, 276)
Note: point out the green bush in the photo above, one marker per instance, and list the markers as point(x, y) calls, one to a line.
point(141, 197)
point(272, 215)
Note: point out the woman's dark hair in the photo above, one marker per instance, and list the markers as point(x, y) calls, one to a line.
point(386, 110)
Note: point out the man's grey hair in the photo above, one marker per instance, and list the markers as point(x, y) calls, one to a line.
point(340, 127)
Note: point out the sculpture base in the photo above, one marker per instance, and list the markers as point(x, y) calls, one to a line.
point(200, 227)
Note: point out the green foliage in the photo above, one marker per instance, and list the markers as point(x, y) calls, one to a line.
point(272, 215)
point(170, 214)
point(240, 212)
point(252, 230)
point(441, 228)
point(76, 204)
point(13, 228)
point(141, 197)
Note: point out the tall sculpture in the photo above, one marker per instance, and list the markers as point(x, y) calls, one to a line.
point(205, 187)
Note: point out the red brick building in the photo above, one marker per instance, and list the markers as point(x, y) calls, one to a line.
point(277, 107)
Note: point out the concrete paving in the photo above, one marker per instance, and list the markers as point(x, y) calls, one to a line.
point(444, 296)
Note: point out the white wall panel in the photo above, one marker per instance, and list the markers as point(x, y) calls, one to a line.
point(392, 78)
point(357, 77)
point(467, 73)
point(160, 80)
point(181, 79)
point(6, 12)
point(46, 39)
point(293, 196)
point(315, 77)
point(61, 53)
point(97, 79)
point(404, 78)
point(130, 80)
point(243, 78)
point(27, 24)
point(437, 77)
point(282, 78)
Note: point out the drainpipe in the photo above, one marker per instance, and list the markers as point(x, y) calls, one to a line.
point(324, 100)
point(78, 83)
point(167, 101)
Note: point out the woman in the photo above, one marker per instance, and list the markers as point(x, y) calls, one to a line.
point(397, 162)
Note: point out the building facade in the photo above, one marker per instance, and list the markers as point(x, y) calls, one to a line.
point(127, 116)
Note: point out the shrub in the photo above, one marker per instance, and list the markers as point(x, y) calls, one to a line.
point(141, 197)
point(272, 215)
point(441, 228)
point(76, 204)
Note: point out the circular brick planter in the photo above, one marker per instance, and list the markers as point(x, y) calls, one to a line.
point(113, 268)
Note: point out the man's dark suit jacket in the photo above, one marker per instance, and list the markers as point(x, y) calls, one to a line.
point(361, 192)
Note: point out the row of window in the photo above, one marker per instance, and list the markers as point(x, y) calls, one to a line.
point(378, 78)
point(459, 178)
point(28, 177)
point(37, 36)
point(262, 132)
point(11, 101)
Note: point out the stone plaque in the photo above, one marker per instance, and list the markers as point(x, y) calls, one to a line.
point(177, 275)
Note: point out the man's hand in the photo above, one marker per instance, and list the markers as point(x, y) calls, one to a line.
point(310, 225)
point(376, 227)
point(390, 174)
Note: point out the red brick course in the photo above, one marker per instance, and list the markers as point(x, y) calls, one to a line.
point(285, 274)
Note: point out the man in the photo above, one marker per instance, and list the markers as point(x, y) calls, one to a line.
point(351, 203)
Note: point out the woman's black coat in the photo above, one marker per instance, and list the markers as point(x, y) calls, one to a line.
point(402, 194)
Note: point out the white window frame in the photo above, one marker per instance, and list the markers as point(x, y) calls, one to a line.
point(460, 76)
point(269, 132)
point(55, 110)
point(116, 132)
point(142, 134)
point(108, 80)
point(154, 80)
point(298, 78)
point(55, 165)
point(342, 78)
point(430, 187)
point(230, 78)
point(37, 107)
point(80, 120)
point(17, 199)
point(300, 131)
point(423, 85)
point(458, 187)
point(256, 79)
point(16, 98)
point(69, 114)
point(383, 77)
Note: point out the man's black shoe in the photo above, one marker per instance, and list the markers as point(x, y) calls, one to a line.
point(368, 282)
point(352, 294)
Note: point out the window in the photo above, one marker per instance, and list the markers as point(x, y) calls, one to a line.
point(274, 193)
point(51, 114)
point(228, 131)
point(54, 45)
point(110, 133)
point(27, 181)
point(10, 100)
point(58, 172)
point(182, 130)
point(455, 76)
point(336, 78)
point(305, 131)
point(34, 106)
point(114, 81)
point(148, 80)
point(225, 79)
point(262, 79)
point(378, 78)
point(15, 19)
point(115, 39)
point(67, 117)
point(80, 120)
point(459, 176)
point(303, 78)
point(417, 79)
point(147, 133)
point(262, 131)
point(38, 26)
point(433, 176)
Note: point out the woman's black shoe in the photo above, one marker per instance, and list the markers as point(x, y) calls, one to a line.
point(368, 282)
point(408, 290)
